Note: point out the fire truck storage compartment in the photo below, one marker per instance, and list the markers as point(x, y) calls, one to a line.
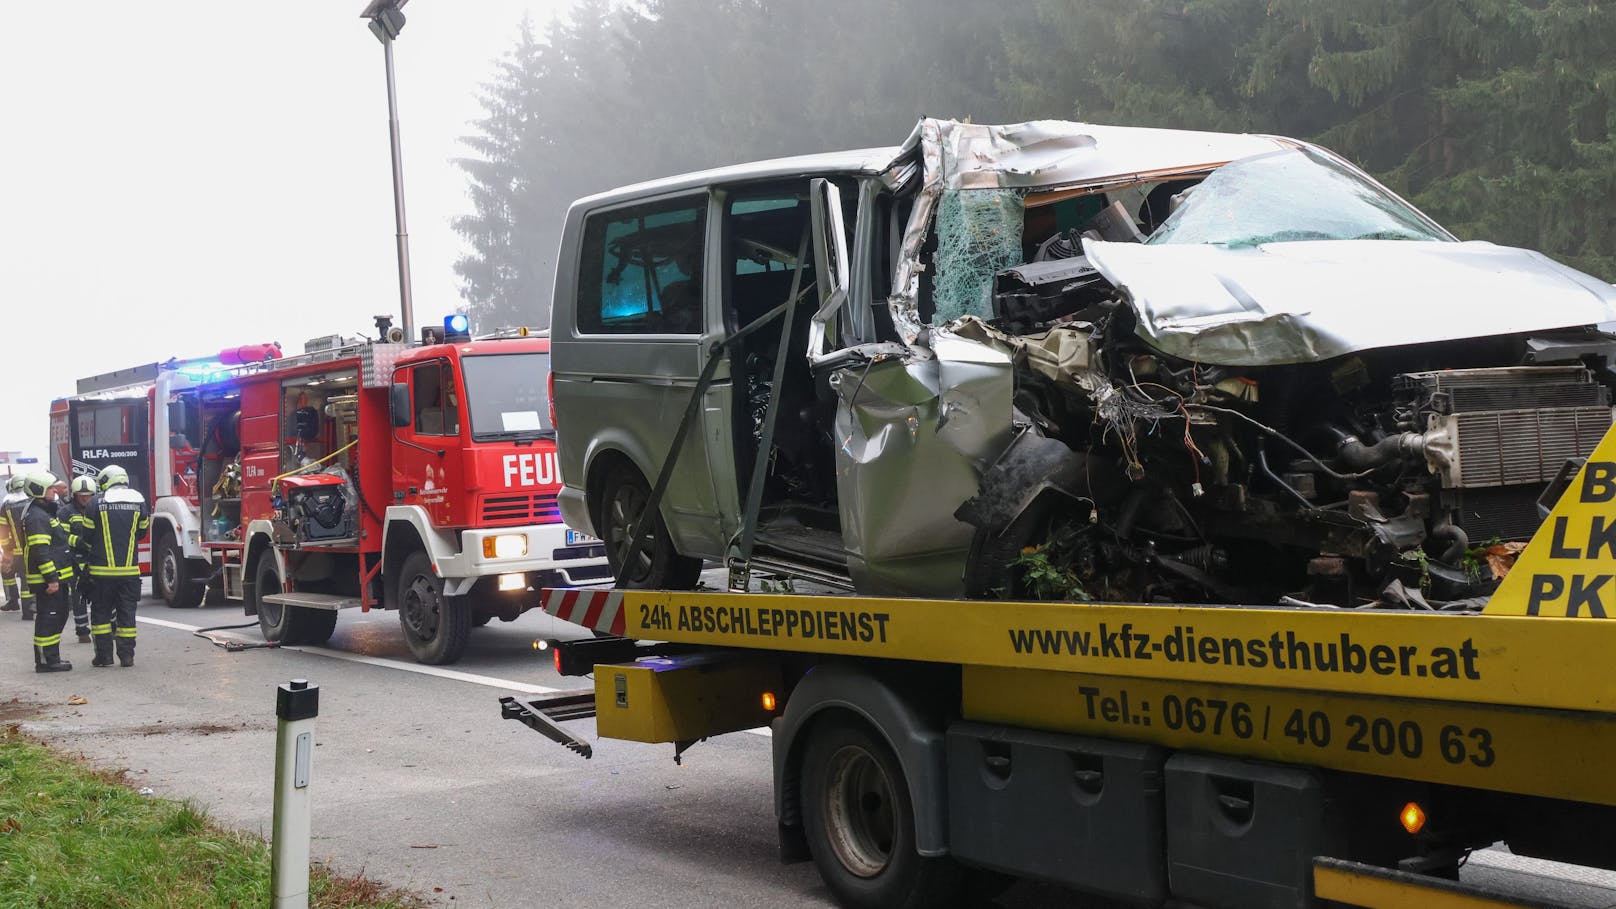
point(318, 507)
point(1241, 833)
point(1078, 811)
point(320, 421)
point(218, 480)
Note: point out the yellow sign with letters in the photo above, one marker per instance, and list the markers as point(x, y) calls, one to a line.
point(1569, 568)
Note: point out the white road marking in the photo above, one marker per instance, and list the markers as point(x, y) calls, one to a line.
point(438, 671)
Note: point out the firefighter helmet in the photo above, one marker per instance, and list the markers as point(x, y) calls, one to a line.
point(83, 486)
point(15, 483)
point(37, 484)
point(112, 475)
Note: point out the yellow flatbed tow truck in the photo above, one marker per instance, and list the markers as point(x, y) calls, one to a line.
point(1210, 756)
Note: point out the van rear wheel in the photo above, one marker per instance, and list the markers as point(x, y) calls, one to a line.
point(620, 515)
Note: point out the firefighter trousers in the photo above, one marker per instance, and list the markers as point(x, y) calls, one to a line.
point(79, 595)
point(50, 617)
point(18, 593)
point(11, 582)
point(112, 617)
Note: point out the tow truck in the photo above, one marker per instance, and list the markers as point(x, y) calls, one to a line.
point(1214, 756)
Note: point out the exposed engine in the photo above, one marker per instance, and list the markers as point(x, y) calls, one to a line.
point(1398, 476)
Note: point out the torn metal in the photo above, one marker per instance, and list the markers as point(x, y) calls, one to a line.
point(1201, 367)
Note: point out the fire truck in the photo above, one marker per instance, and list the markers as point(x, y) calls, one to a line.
point(1223, 757)
point(357, 474)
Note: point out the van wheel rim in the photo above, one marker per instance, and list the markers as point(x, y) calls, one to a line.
point(861, 815)
point(625, 512)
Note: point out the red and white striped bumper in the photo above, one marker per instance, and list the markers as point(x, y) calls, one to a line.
point(597, 610)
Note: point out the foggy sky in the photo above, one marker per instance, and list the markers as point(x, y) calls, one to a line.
point(184, 176)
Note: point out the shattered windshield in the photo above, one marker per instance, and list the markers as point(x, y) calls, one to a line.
point(1290, 195)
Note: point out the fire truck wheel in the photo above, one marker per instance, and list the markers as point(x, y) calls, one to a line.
point(657, 566)
point(176, 576)
point(283, 624)
point(435, 626)
point(860, 824)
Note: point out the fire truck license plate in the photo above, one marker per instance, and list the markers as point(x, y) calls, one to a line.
point(574, 538)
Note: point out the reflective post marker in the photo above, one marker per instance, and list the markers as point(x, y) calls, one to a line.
point(297, 703)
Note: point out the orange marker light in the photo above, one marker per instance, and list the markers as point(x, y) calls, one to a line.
point(768, 701)
point(1413, 817)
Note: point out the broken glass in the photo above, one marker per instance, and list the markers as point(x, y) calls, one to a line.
point(1287, 196)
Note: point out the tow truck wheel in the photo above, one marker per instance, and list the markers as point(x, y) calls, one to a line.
point(620, 512)
point(175, 577)
point(435, 626)
point(283, 624)
point(861, 824)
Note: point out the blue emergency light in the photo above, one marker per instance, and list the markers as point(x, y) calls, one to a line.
point(457, 327)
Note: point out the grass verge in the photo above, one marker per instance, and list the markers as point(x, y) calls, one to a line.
point(72, 836)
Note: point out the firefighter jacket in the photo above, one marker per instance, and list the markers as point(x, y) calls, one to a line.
point(41, 543)
point(110, 532)
point(12, 536)
point(71, 517)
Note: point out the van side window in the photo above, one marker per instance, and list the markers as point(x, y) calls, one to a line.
point(641, 269)
point(436, 413)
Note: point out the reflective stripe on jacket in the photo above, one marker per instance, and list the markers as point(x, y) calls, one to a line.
point(112, 527)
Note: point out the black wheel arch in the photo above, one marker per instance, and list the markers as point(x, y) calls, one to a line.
point(901, 703)
point(402, 539)
point(600, 468)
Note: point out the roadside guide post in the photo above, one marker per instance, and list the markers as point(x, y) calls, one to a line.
point(297, 703)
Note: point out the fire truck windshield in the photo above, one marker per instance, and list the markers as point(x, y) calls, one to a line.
point(507, 395)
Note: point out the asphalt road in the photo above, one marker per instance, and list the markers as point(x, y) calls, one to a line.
point(418, 782)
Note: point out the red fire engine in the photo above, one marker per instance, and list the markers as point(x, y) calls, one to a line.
point(361, 474)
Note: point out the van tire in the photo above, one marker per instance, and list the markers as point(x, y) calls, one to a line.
point(435, 625)
point(623, 497)
point(283, 624)
point(860, 824)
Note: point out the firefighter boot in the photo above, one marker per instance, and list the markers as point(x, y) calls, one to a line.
point(126, 646)
point(11, 604)
point(102, 635)
point(49, 659)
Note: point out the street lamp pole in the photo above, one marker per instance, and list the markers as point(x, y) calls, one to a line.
point(386, 21)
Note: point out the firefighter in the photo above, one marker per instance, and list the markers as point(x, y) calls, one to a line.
point(113, 525)
point(58, 503)
point(41, 546)
point(70, 514)
point(12, 508)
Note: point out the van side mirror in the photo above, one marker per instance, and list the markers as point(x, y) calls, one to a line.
point(398, 404)
point(830, 263)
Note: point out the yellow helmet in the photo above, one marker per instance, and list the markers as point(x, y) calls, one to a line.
point(37, 484)
point(112, 475)
point(83, 486)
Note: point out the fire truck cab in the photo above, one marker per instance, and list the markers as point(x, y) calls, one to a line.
point(365, 474)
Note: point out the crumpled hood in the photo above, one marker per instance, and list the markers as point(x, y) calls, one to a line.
point(1307, 301)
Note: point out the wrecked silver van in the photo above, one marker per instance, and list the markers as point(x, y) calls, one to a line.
point(1066, 361)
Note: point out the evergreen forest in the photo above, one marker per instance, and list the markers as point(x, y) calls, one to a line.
point(1494, 116)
